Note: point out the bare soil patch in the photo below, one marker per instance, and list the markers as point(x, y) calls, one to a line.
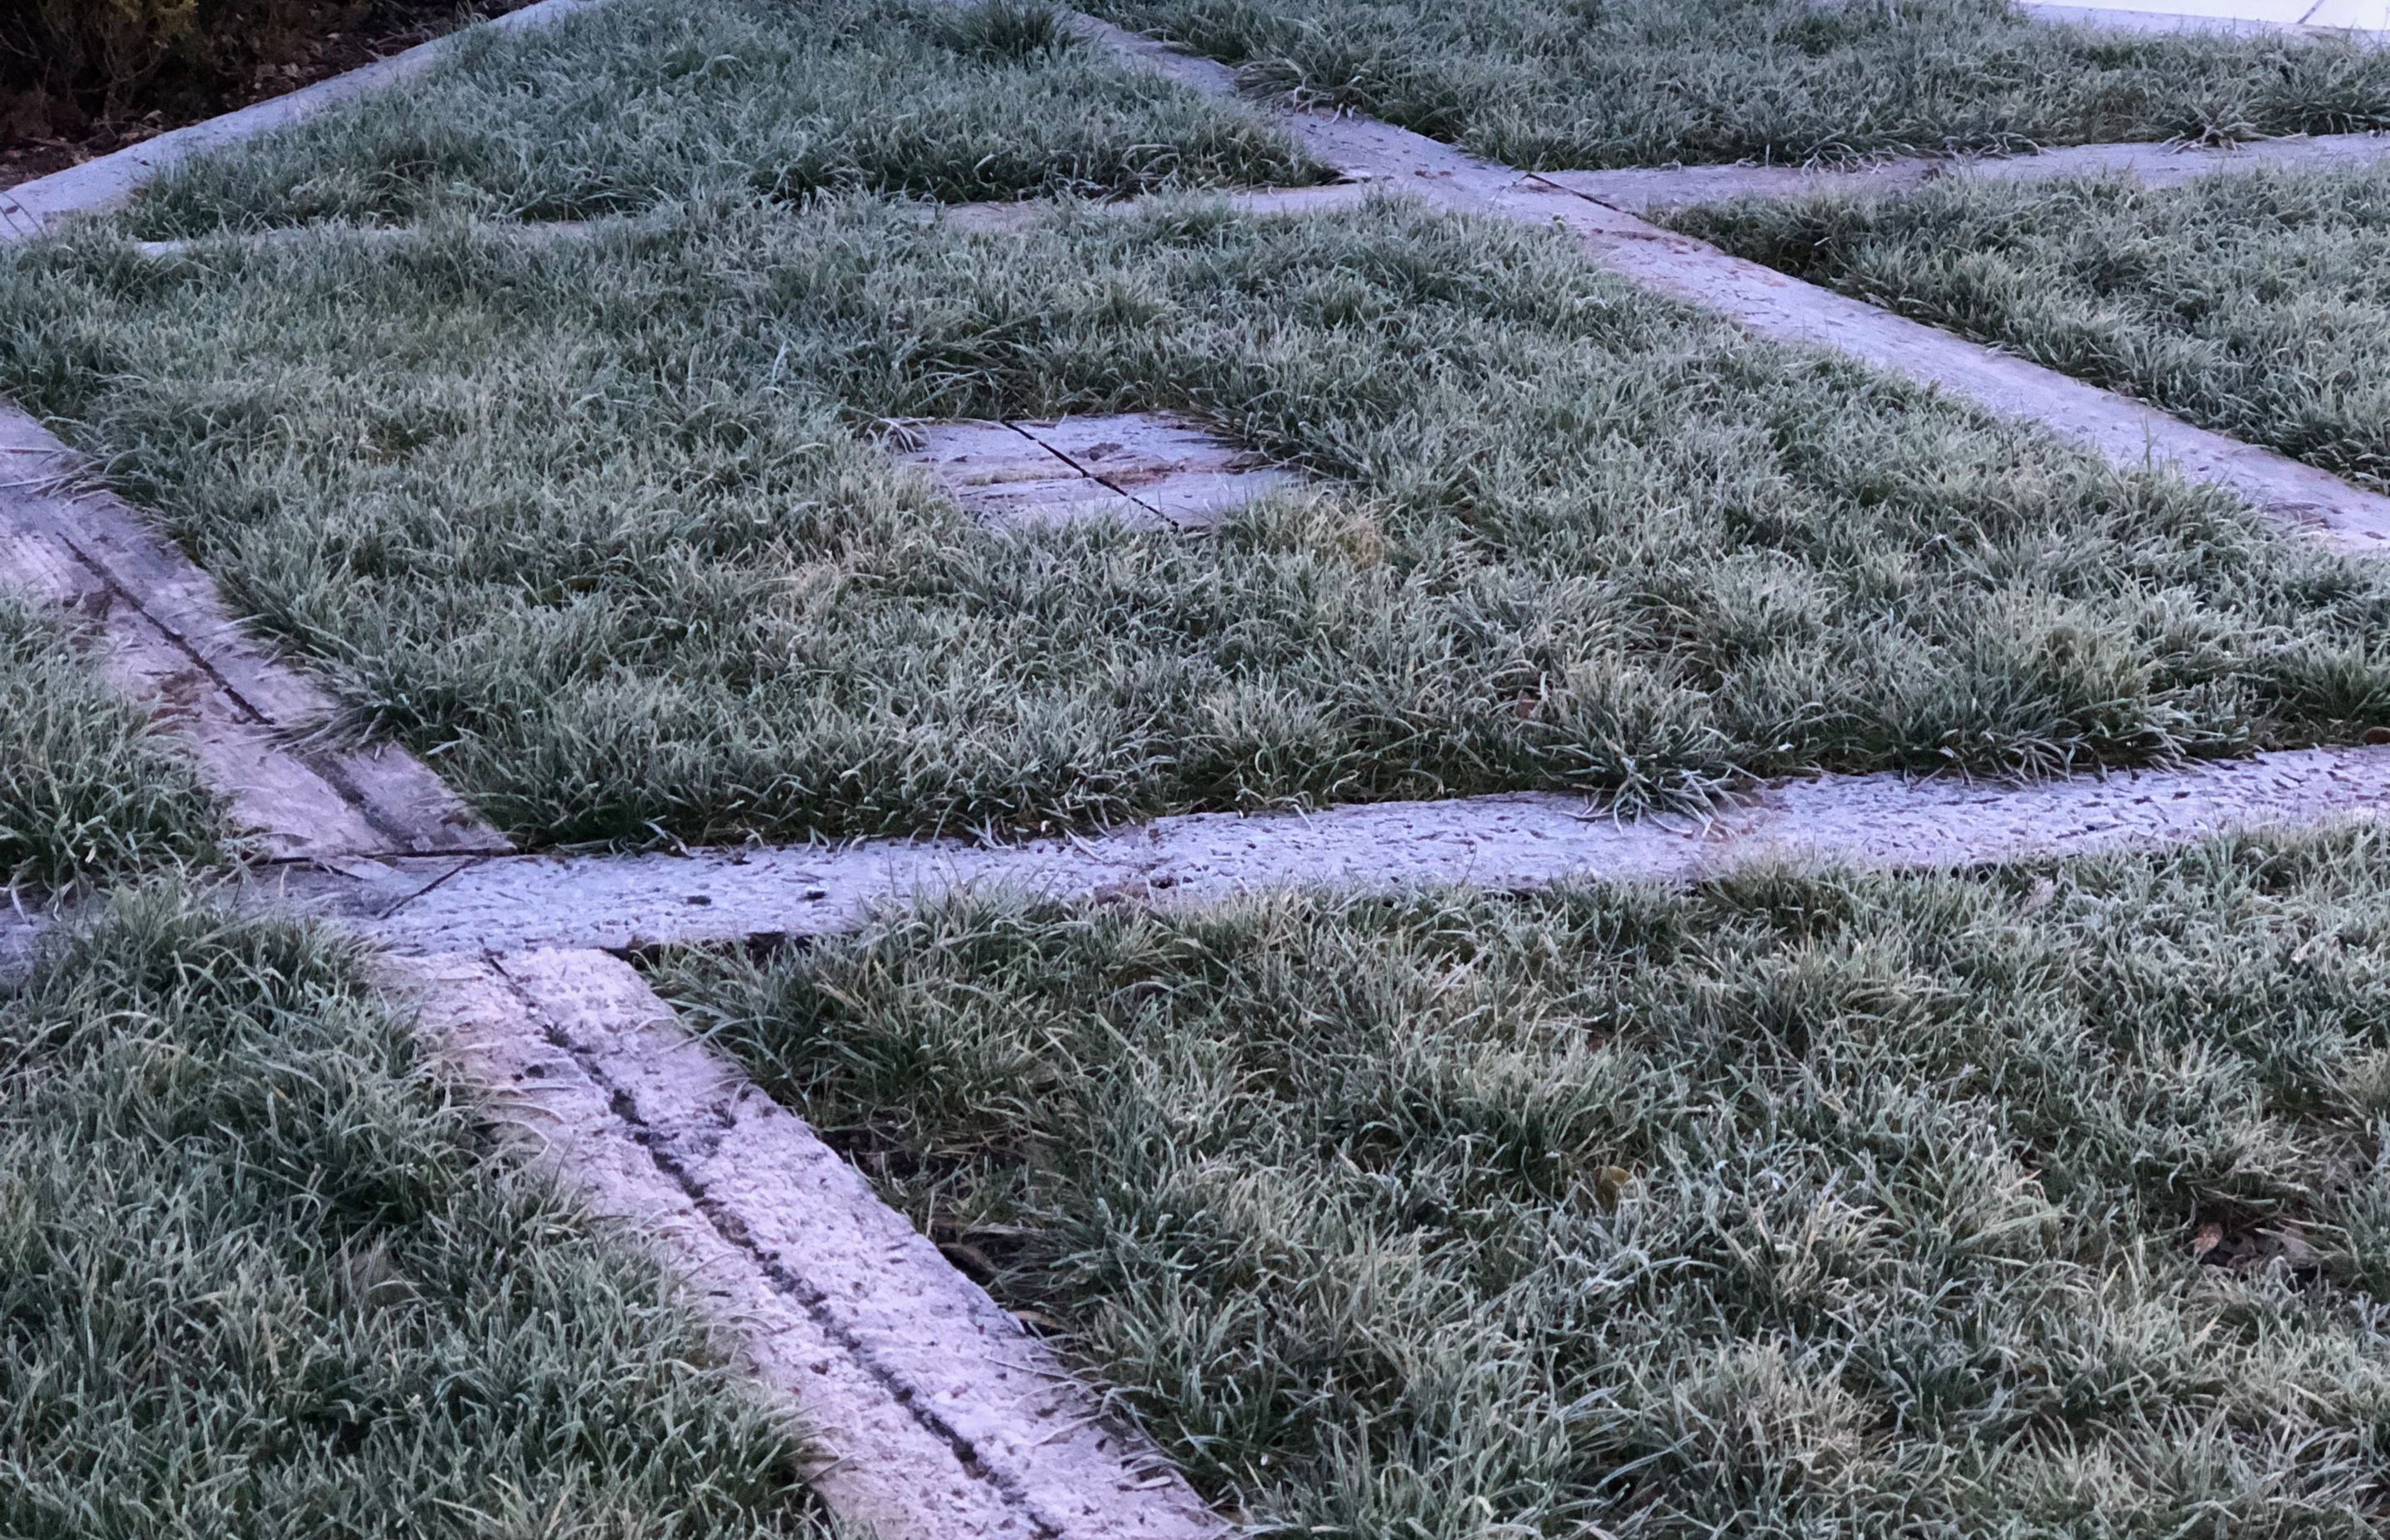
point(68, 94)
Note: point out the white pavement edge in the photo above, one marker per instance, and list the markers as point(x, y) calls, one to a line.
point(2357, 22)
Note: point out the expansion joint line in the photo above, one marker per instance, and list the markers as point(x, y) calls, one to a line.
point(661, 1146)
point(115, 595)
point(302, 745)
point(426, 890)
point(1653, 233)
point(935, 1412)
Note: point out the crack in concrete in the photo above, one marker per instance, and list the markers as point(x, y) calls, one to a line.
point(1097, 477)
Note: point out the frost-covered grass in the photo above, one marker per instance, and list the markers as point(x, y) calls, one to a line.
point(641, 103)
point(602, 525)
point(2259, 305)
point(1616, 83)
point(261, 1274)
point(89, 790)
point(2039, 1201)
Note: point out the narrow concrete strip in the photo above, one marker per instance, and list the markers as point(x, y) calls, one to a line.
point(2361, 20)
point(891, 1471)
point(941, 1417)
point(247, 715)
point(2125, 432)
point(1784, 309)
point(1641, 190)
point(1518, 841)
point(109, 180)
point(295, 811)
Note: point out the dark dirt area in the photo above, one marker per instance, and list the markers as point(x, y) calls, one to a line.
point(78, 81)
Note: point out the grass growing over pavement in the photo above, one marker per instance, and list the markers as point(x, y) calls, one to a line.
point(88, 790)
point(601, 528)
point(1611, 83)
point(2021, 1203)
point(643, 102)
point(259, 1277)
point(2257, 304)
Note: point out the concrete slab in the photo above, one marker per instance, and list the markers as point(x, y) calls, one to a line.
point(1009, 480)
point(1179, 470)
point(1138, 468)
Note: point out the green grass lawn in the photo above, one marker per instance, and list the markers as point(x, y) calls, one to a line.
point(601, 526)
point(2259, 305)
point(88, 789)
point(2033, 1202)
point(1613, 83)
point(259, 1276)
point(649, 102)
